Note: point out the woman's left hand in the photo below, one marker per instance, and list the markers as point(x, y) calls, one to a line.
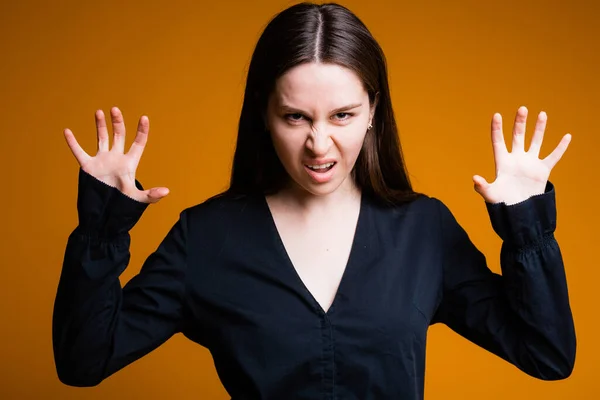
point(520, 174)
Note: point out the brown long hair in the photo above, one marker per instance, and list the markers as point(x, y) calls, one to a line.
point(327, 33)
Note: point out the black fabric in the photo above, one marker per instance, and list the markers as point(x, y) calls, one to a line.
point(222, 278)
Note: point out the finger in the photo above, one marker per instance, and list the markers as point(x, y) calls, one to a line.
point(518, 144)
point(118, 129)
point(498, 144)
point(101, 131)
point(558, 152)
point(155, 194)
point(538, 134)
point(80, 155)
point(141, 137)
point(479, 183)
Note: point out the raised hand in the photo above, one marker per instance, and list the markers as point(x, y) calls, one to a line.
point(112, 166)
point(520, 174)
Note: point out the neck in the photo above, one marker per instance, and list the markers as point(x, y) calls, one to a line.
point(298, 200)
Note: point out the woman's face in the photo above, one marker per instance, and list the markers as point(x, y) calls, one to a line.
point(318, 116)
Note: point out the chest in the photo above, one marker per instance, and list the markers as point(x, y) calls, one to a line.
point(257, 301)
point(264, 280)
point(319, 256)
point(254, 292)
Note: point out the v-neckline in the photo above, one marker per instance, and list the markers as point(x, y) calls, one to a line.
point(290, 265)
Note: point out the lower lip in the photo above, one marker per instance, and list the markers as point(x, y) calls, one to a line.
point(321, 177)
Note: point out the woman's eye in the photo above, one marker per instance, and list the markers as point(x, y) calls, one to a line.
point(294, 117)
point(343, 116)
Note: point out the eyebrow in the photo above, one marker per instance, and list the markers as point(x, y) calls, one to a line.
point(348, 107)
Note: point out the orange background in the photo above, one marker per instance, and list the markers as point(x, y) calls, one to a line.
point(183, 63)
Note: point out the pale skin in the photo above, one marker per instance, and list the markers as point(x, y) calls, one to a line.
point(113, 166)
point(520, 174)
point(317, 114)
point(316, 221)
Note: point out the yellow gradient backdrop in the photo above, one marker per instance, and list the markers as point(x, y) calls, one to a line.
point(183, 63)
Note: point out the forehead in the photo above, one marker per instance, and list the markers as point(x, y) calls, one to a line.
point(317, 84)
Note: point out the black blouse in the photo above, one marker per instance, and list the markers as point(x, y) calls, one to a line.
point(222, 277)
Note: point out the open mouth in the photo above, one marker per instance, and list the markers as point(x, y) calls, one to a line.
point(321, 167)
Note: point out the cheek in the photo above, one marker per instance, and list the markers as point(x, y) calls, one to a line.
point(287, 144)
point(350, 143)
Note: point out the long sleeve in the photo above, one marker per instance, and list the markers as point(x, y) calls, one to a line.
point(98, 327)
point(523, 315)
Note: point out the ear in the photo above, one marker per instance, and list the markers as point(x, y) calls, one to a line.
point(373, 106)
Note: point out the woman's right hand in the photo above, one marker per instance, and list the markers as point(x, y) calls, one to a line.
point(112, 166)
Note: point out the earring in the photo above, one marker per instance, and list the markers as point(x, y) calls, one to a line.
point(370, 126)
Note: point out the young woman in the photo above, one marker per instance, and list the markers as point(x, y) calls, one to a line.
point(317, 274)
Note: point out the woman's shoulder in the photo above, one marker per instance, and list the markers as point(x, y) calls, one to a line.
point(415, 203)
point(422, 212)
point(222, 204)
point(226, 211)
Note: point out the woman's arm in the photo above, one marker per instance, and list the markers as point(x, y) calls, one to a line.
point(99, 327)
point(524, 315)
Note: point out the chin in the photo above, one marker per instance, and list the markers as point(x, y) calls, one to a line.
point(322, 189)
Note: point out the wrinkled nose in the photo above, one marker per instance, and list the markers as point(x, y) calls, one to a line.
point(318, 141)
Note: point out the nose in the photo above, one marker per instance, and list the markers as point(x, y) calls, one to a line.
point(318, 141)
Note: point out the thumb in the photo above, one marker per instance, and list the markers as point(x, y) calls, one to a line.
point(480, 184)
point(155, 194)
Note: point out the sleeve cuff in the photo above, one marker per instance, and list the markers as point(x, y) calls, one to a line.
point(526, 222)
point(103, 210)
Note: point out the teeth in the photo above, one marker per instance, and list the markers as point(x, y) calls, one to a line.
point(322, 166)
